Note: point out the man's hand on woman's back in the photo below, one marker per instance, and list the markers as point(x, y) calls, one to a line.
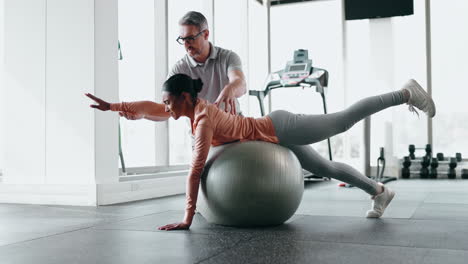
point(226, 101)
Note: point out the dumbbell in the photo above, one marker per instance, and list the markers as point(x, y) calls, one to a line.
point(452, 174)
point(433, 171)
point(464, 174)
point(412, 149)
point(428, 150)
point(440, 156)
point(458, 155)
point(405, 171)
point(424, 172)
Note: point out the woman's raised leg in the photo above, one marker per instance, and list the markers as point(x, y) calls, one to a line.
point(302, 129)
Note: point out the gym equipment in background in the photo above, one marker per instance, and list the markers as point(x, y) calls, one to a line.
point(297, 73)
point(249, 184)
point(121, 156)
point(464, 174)
point(122, 162)
point(412, 150)
point(364, 9)
point(380, 173)
point(428, 167)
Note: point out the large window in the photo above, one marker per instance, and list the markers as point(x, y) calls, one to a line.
point(2, 92)
point(138, 66)
point(136, 78)
point(449, 66)
point(382, 54)
point(179, 130)
point(315, 26)
point(257, 53)
point(231, 32)
point(410, 62)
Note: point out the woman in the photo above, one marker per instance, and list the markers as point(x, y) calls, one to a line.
point(212, 126)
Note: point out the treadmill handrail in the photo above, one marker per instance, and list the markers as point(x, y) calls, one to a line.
point(311, 81)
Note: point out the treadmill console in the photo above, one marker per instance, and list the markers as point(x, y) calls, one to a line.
point(297, 70)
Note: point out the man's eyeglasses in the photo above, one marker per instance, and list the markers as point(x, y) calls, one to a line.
point(188, 40)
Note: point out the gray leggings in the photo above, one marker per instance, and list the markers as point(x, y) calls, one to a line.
point(297, 131)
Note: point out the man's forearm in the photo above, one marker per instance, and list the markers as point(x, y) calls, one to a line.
point(237, 87)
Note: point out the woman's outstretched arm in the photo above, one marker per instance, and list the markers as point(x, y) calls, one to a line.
point(203, 138)
point(142, 109)
point(136, 110)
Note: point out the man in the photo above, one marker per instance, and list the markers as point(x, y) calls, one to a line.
point(219, 69)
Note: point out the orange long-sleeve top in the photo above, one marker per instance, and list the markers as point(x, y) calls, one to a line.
point(210, 126)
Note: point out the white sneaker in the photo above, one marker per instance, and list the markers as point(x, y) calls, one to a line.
point(419, 99)
point(380, 202)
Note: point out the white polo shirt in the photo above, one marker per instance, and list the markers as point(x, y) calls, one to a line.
point(213, 73)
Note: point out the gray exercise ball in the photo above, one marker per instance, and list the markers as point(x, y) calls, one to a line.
point(248, 184)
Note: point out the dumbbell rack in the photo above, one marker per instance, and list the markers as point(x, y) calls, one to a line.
point(427, 167)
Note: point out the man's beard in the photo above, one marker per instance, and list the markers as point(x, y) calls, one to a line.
point(195, 52)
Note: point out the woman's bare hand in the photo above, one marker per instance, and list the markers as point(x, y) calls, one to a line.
point(175, 226)
point(102, 105)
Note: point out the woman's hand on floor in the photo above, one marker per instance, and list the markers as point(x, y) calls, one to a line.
point(175, 226)
point(102, 105)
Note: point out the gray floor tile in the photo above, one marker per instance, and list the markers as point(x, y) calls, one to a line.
point(199, 225)
point(448, 197)
point(116, 246)
point(397, 209)
point(384, 232)
point(298, 251)
point(348, 194)
point(35, 221)
point(443, 212)
point(137, 208)
point(425, 223)
point(427, 185)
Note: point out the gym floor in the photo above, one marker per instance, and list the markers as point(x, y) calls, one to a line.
point(427, 222)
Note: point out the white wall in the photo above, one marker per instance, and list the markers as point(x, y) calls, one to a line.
point(69, 74)
point(106, 85)
point(57, 148)
point(49, 66)
point(2, 89)
point(25, 40)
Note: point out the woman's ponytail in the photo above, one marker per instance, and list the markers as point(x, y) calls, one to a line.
point(197, 85)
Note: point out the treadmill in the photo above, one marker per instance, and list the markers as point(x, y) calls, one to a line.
point(297, 73)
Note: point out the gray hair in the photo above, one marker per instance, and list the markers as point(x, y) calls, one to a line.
point(194, 18)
